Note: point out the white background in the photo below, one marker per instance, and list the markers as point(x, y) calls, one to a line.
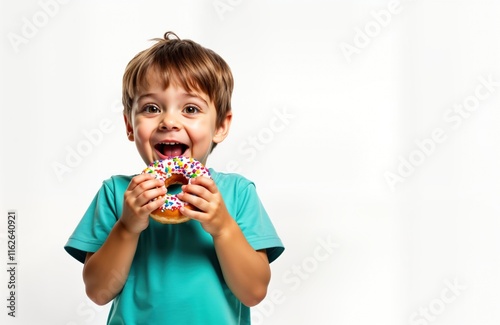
point(346, 115)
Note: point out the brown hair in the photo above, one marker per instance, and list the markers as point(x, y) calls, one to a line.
point(193, 66)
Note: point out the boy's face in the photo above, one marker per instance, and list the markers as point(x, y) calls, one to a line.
point(173, 122)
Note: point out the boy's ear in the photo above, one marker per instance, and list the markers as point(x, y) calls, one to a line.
point(128, 128)
point(222, 131)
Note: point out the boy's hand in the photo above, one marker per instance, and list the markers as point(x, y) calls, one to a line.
point(212, 213)
point(138, 204)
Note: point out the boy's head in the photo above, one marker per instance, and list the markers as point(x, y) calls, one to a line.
point(179, 63)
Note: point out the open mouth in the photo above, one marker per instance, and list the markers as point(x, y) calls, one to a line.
point(170, 149)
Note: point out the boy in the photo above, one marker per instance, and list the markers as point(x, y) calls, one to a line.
point(210, 270)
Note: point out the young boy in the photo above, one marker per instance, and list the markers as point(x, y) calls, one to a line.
point(209, 270)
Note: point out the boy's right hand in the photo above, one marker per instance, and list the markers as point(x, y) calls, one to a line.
point(138, 202)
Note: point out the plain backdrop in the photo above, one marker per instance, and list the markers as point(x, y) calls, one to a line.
point(369, 127)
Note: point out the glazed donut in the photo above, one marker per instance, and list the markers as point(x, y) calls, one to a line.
point(175, 170)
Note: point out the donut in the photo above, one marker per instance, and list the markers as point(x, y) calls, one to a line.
point(174, 170)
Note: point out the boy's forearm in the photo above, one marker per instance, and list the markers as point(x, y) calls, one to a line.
point(106, 270)
point(246, 271)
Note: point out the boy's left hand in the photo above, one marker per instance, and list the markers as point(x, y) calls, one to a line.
point(212, 213)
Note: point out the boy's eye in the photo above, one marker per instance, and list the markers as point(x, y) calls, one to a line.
point(149, 108)
point(191, 109)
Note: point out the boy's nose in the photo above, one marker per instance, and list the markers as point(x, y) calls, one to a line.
point(169, 122)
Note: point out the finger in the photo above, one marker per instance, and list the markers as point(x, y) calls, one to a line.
point(206, 182)
point(151, 194)
point(194, 200)
point(192, 214)
point(136, 180)
point(146, 185)
point(196, 190)
point(153, 204)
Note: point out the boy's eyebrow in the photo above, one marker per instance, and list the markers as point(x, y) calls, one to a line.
point(145, 95)
point(191, 94)
point(184, 94)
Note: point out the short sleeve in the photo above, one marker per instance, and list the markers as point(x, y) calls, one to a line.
point(244, 204)
point(98, 220)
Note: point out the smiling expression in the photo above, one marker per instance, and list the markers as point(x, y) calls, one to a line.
point(173, 121)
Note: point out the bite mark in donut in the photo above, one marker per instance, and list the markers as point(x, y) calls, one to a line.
point(174, 170)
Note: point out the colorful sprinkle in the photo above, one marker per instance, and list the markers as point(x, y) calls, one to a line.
point(163, 169)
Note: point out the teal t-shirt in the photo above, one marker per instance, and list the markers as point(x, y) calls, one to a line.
point(175, 277)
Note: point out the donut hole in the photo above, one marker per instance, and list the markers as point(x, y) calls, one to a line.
point(174, 184)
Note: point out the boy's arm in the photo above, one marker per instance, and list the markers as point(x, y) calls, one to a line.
point(246, 271)
point(105, 271)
